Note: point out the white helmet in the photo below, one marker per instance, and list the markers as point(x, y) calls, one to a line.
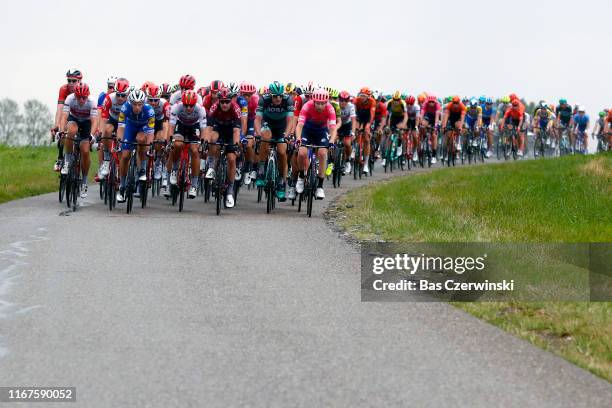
point(375, 94)
point(309, 88)
point(111, 81)
point(137, 96)
point(581, 108)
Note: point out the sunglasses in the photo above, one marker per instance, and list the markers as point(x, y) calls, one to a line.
point(189, 106)
point(73, 81)
point(121, 95)
point(277, 95)
point(344, 100)
point(225, 102)
point(154, 100)
point(81, 98)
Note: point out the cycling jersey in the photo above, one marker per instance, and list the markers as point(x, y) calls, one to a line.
point(176, 97)
point(514, 114)
point(502, 107)
point(80, 112)
point(455, 111)
point(581, 122)
point(365, 109)
point(300, 101)
point(473, 113)
point(101, 98)
point(543, 116)
point(64, 91)
point(244, 106)
point(229, 118)
point(112, 106)
point(179, 114)
point(396, 108)
point(336, 107)
point(275, 116)
point(564, 114)
point(143, 121)
point(487, 113)
point(316, 124)
point(380, 112)
point(347, 113)
point(413, 111)
point(162, 109)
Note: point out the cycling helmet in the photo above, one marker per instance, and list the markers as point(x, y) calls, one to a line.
point(543, 105)
point(225, 94)
point(233, 88)
point(334, 93)
point(187, 82)
point(201, 91)
point(289, 88)
point(74, 73)
point(581, 109)
point(153, 91)
point(365, 91)
point(602, 114)
point(165, 89)
point(247, 88)
point(189, 97)
point(175, 88)
point(110, 81)
point(216, 85)
point(473, 103)
point(81, 90)
point(410, 100)
point(276, 88)
point(456, 99)
point(397, 95)
point(431, 98)
point(309, 88)
point(376, 94)
point(505, 99)
point(320, 95)
point(137, 95)
point(562, 101)
point(513, 96)
point(298, 90)
point(489, 101)
point(482, 99)
point(263, 90)
point(421, 98)
point(344, 95)
point(122, 86)
point(146, 85)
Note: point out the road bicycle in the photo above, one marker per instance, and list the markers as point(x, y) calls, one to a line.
point(311, 179)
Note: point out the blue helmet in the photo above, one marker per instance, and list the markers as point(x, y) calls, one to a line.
point(489, 100)
point(482, 99)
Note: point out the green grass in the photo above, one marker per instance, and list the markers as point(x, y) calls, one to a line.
point(560, 200)
point(28, 171)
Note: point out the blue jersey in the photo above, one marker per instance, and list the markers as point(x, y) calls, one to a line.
point(581, 122)
point(143, 121)
point(101, 99)
point(487, 113)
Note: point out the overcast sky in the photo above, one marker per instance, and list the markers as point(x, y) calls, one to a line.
point(538, 49)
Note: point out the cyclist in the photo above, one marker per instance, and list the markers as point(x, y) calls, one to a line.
point(543, 118)
point(488, 111)
point(110, 88)
point(431, 113)
point(514, 115)
point(581, 124)
point(212, 97)
point(608, 128)
point(504, 104)
point(224, 120)
point(300, 101)
point(110, 111)
point(274, 120)
point(188, 120)
point(162, 114)
point(79, 117)
point(365, 108)
point(473, 117)
point(136, 123)
point(73, 76)
point(248, 101)
point(348, 126)
point(455, 114)
point(598, 128)
point(397, 118)
point(565, 118)
point(317, 118)
point(166, 91)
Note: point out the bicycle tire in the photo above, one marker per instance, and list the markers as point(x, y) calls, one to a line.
point(62, 187)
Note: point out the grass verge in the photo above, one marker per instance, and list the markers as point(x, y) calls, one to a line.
point(28, 171)
point(559, 200)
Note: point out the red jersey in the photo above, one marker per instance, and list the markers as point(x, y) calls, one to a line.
point(64, 91)
point(230, 117)
point(515, 114)
point(381, 111)
point(456, 109)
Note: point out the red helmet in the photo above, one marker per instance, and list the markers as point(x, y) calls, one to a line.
point(247, 88)
point(201, 91)
point(513, 96)
point(187, 82)
point(456, 99)
point(81, 90)
point(320, 95)
point(344, 95)
point(145, 86)
point(153, 91)
point(189, 97)
point(165, 89)
point(365, 90)
point(225, 94)
point(122, 85)
point(431, 98)
point(410, 100)
point(216, 85)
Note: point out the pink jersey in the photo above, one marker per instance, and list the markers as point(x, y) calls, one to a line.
point(253, 102)
point(430, 108)
point(314, 120)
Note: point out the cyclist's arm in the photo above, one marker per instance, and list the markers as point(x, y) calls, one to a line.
point(298, 131)
point(290, 122)
point(257, 124)
point(353, 125)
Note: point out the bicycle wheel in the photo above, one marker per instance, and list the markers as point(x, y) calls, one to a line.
point(129, 188)
point(270, 185)
point(62, 187)
point(357, 162)
point(144, 191)
point(102, 189)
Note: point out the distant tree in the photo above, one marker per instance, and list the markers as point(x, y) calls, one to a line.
point(10, 121)
point(36, 122)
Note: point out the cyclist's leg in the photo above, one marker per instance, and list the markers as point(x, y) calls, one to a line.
point(71, 131)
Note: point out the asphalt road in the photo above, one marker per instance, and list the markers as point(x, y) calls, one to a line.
point(161, 309)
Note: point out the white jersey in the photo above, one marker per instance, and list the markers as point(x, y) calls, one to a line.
point(347, 113)
point(80, 111)
point(176, 98)
point(178, 113)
